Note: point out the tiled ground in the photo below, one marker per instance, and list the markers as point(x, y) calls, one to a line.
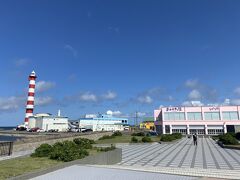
point(100, 173)
point(183, 154)
point(182, 158)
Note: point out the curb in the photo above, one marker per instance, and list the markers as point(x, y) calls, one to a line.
point(227, 147)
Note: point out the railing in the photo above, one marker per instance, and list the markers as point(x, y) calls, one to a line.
point(6, 148)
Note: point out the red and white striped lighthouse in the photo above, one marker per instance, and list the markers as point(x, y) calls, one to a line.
point(30, 99)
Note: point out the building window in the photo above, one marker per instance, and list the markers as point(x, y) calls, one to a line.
point(230, 115)
point(212, 115)
point(182, 131)
point(174, 116)
point(215, 131)
point(194, 115)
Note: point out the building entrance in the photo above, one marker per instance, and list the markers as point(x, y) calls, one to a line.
point(197, 131)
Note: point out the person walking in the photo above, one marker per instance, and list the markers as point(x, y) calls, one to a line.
point(195, 139)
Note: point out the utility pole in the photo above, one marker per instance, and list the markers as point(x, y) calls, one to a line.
point(136, 119)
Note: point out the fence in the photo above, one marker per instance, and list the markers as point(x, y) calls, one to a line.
point(6, 148)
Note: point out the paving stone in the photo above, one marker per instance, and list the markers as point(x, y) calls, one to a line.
point(207, 155)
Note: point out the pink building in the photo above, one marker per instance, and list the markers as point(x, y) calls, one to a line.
point(207, 120)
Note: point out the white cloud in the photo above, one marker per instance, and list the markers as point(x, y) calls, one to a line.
point(114, 113)
point(21, 62)
point(201, 91)
point(226, 102)
point(154, 95)
point(145, 99)
point(71, 49)
point(110, 95)
point(235, 101)
point(187, 103)
point(114, 29)
point(161, 106)
point(194, 95)
point(192, 103)
point(141, 114)
point(88, 96)
point(42, 86)
point(192, 83)
point(11, 103)
point(170, 98)
point(237, 91)
point(43, 101)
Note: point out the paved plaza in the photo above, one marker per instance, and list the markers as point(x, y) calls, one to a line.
point(99, 173)
point(177, 160)
point(183, 156)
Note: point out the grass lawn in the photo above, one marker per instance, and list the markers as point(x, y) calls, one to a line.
point(19, 166)
point(23, 165)
point(124, 139)
point(92, 151)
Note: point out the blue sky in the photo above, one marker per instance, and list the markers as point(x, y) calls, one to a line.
point(124, 56)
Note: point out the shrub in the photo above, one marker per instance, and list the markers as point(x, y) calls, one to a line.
point(148, 135)
point(167, 138)
point(67, 151)
point(138, 134)
point(42, 151)
point(170, 137)
point(134, 139)
point(105, 149)
point(232, 134)
point(228, 139)
point(146, 139)
point(105, 137)
point(84, 143)
point(177, 135)
point(117, 133)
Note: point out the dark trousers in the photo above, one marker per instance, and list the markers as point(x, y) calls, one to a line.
point(195, 142)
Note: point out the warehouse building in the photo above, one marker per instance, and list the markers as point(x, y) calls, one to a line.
point(47, 122)
point(204, 120)
point(103, 122)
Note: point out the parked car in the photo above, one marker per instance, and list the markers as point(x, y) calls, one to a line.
point(74, 130)
point(53, 130)
point(40, 130)
point(34, 129)
point(86, 130)
point(82, 129)
point(21, 129)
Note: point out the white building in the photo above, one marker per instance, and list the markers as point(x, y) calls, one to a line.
point(103, 122)
point(47, 122)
